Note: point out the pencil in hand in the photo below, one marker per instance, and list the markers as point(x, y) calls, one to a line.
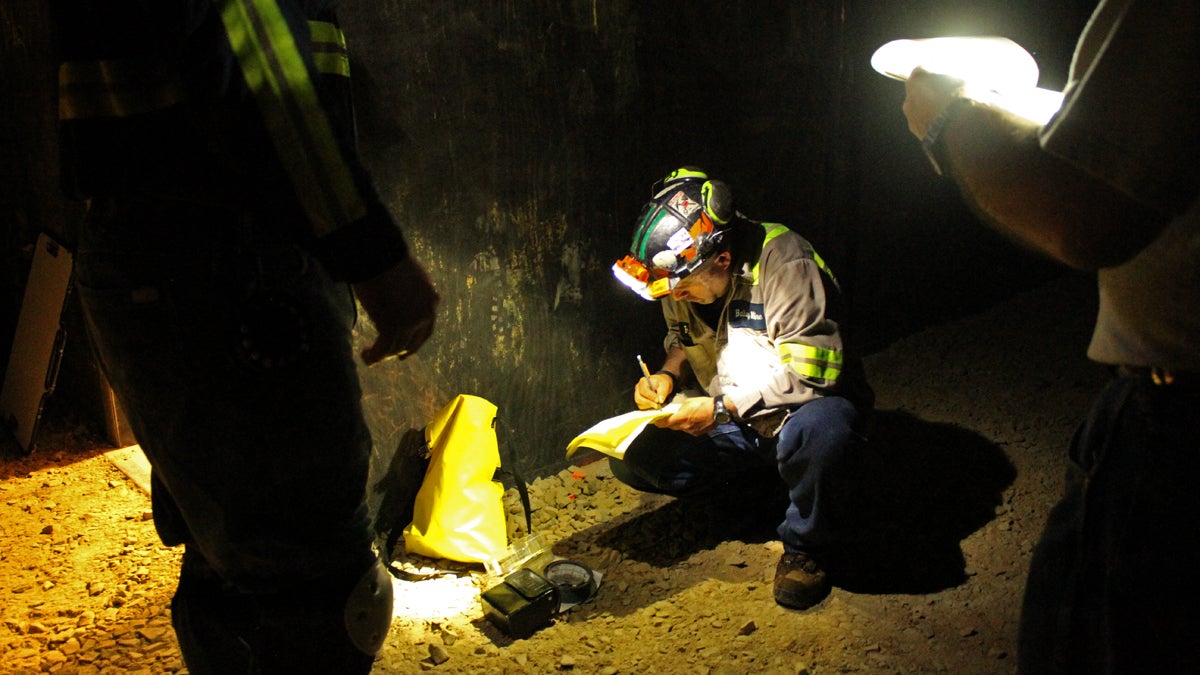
point(649, 382)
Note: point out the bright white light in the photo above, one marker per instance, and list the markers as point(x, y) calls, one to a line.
point(988, 62)
point(1036, 104)
point(435, 600)
point(995, 70)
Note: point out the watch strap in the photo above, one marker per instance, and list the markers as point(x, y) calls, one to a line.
point(674, 379)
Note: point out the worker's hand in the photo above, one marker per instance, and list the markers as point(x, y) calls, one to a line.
point(650, 392)
point(401, 303)
point(695, 416)
point(926, 94)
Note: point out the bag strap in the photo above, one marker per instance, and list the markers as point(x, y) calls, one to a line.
point(405, 475)
point(510, 478)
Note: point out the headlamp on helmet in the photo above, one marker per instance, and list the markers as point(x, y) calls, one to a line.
point(677, 230)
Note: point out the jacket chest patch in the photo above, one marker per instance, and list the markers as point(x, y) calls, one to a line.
point(744, 314)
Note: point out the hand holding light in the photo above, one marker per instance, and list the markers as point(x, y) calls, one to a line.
point(926, 96)
point(991, 70)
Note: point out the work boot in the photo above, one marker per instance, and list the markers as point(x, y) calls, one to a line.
point(800, 582)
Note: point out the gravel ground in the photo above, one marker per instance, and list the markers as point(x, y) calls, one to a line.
point(967, 459)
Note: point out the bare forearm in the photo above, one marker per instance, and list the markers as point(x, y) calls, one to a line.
point(676, 362)
point(1021, 190)
point(1037, 198)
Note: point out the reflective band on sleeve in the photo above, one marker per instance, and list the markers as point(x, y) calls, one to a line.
point(275, 72)
point(329, 49)
point(811, 362)
point(116, 88)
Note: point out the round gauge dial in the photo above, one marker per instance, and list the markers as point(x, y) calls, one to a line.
point(574, 581)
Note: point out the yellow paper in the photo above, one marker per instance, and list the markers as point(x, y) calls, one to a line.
point(613, 435)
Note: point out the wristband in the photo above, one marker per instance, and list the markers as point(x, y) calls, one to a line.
point(934, 133)
point(674, 379)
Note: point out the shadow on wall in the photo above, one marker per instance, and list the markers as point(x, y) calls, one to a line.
point(925, 487)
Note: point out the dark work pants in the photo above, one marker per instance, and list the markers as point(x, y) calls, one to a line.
point(814, 453)
point(1113, 583)
point(230, 350)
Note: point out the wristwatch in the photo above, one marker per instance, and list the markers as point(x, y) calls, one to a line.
point(720, 412)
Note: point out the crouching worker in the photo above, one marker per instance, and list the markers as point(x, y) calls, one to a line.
point(752, 314)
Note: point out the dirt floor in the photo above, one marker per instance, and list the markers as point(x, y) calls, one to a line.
point(967, 459)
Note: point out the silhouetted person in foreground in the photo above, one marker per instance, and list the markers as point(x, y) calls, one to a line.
point(228, 219)
point(1109, 184)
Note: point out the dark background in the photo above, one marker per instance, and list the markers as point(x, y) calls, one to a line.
point(516, 140)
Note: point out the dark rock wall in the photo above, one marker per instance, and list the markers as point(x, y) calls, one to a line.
point(29, 197)
point(515, 141)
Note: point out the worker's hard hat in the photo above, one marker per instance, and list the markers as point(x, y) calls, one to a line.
point(677, 231)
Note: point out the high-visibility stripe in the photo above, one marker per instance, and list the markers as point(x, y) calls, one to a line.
point(116, 88)
point(303, 138)
point(825, 268)
point(773, 230)
point(329, 48)
point(812, 362)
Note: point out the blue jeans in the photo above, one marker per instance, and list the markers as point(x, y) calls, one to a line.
point(1113, 584)
point(229, 348)
point(815, 455)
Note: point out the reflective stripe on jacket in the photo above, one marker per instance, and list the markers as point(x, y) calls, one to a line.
point(245, 102)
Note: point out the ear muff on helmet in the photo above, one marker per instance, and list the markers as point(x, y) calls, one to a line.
point(718, 201)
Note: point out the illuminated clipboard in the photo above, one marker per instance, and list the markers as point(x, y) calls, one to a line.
point(613, 435)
